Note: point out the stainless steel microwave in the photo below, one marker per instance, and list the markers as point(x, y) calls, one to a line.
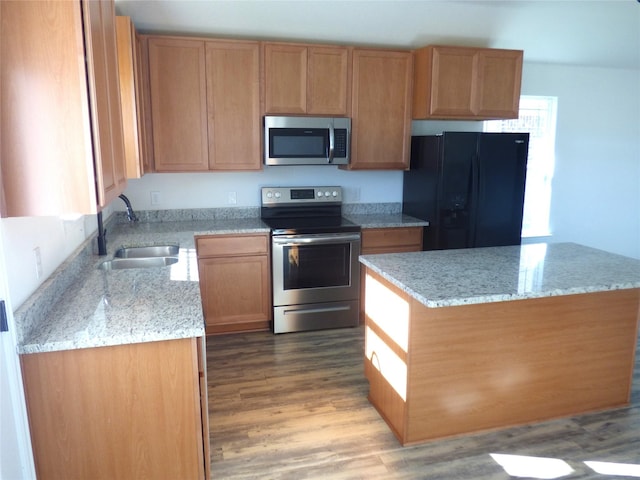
point(306, 140)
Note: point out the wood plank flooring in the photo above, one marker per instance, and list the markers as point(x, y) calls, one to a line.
point(294, 406)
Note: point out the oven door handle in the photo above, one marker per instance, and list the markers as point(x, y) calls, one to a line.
point(310, 240)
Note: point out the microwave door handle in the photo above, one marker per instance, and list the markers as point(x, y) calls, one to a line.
point(332, 143)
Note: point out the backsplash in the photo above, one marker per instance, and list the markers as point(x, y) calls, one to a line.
point(184, 215)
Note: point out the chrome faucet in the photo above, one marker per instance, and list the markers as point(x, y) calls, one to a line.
point(131, 215)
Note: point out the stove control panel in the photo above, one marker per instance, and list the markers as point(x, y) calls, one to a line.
point(300, 195)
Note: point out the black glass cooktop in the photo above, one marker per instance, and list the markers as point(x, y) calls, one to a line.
point(310, 225)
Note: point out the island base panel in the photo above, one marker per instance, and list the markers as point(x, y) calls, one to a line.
point(480, 367)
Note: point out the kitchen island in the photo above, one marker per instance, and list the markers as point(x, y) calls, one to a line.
point(460, 341)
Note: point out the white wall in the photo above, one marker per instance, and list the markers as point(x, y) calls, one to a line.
point(208, 190)
point(57, 238)
point(16, 459)
point(596, 187)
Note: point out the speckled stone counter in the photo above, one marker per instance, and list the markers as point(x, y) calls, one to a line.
point(82, 306)
point(481, 275)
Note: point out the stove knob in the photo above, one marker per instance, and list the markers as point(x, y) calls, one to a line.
point(334, 193)
point(319, 194)
point(269, 194)
point(278, 195)
point(327, 194)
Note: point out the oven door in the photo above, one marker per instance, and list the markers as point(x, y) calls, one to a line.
point(315, 268)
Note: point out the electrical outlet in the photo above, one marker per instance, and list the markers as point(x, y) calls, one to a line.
point(38, 259)
point(155, 198)
point(231, 198)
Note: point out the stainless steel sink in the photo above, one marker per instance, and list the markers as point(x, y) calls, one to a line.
point(147, 256)
point(137, 262)
point(147, 251)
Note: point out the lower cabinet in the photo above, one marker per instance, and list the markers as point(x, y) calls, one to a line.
point(235, 282)
point(387, 240)
point(127, 411)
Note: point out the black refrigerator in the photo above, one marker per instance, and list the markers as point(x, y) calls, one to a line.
point(469, 186)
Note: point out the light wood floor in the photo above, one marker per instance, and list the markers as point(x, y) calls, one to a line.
point(294, 406)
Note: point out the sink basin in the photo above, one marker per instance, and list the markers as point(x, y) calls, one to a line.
point(147, 251)
point(137, 262)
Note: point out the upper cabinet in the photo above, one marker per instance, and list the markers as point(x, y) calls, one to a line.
point(381, 109)
point(205, 104)
point(131, 98)
point(178, 92)
point(233, 105)
point(306, 79)
point(466, 83)
point(62, 149)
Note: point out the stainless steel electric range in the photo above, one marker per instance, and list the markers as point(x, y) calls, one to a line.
point(315, 271)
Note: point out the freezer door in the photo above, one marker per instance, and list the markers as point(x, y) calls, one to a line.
point(500, 169)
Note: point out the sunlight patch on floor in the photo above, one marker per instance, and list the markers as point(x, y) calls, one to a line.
point(532, 467)
point(610, 468)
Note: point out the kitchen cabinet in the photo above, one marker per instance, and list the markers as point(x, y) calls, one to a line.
point(391, 240)
point(235, 282)
point(466, 83)
point(131, 98)
point(233, 105)
point(62, 147)
point(381, 109)
point(178, 94)
point(306, 79)
point(205, 104)
point(125, 411)
point(386, 240)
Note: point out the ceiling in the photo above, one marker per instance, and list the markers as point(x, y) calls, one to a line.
point(599, 33)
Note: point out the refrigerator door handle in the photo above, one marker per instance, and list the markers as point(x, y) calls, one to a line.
point(474, 197)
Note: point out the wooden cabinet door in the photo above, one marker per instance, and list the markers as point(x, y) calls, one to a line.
point(104, 95)
point(235, 282)
point(499, 75)
point(391, 240)
point(466, 83)
point(285, 78)
point(233, 105)
point(235, 292)
point(125, 411)
point(381, 109)
point(46, 148)
point(328, 82)
point(452, 81)
point(177, 84)
point(133, 121)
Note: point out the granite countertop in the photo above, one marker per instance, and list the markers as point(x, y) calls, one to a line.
point(481, 275)
point(81, 306)
point(101, 308)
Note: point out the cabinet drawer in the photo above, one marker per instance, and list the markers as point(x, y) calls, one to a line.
point(400, 239)
point(228, 245)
